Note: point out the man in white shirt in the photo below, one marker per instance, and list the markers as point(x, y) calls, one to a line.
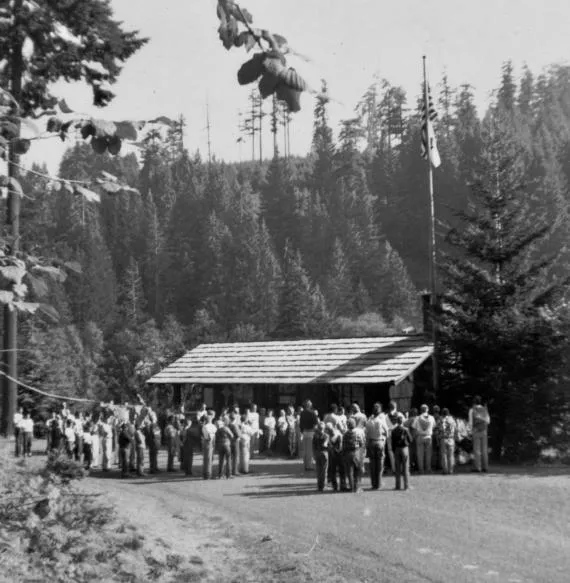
point(27, 429)
point(253, 418)
point(376, 435)
point(18, 416)
point(424, 426)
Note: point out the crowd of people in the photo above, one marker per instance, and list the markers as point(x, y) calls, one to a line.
point(334, 445)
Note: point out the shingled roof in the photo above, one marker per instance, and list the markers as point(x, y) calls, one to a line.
point(351, 360)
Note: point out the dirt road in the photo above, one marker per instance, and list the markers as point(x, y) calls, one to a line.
point(272, 525)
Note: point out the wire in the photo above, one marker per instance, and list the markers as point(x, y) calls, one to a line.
point(25, 386)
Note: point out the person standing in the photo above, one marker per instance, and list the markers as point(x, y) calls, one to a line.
point(18, 418)
point(448, 432)
point(479, 420)
point(87, 446)
point(69, 434)
point(410, 424)
point(308, 422)
point(79, 422)
point(358, 416)
point(140, 445)
point(153, 439)
point(321, 452)
point(171, 440)
point(27, 431)
point(244, 445)
point(96, 446)
point(353, 447)
point(436, 456)
point(106, 432)
point(391, 420)
point(376, 435)
point(208, 443)
point(401, 441)
point(291, 431)
point(235, 428)
point(336, 465)
point(124, 442)
point(424, 425)
point(223, 442)
point(269, 423)
point(188, 447)
point(253, 418)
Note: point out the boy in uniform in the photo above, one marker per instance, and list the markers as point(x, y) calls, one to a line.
point(401, 441)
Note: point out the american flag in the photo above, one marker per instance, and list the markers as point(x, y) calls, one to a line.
point(429, 143)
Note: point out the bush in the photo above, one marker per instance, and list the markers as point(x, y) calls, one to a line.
point(52, 531)
point(60, 467)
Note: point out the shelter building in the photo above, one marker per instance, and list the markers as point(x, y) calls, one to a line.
point(278, 373)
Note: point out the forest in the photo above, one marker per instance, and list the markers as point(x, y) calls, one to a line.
point(331, 244)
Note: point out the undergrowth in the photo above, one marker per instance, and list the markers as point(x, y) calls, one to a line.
point(52, 531)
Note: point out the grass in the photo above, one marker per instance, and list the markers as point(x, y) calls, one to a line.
point(51, 531)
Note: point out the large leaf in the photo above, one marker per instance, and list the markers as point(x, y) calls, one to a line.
point(74, 266)
point(49, 311)
point(49, 270)
point(64, 107)
point(251, 70)
point(26, 307)
point(13, 273)
point(6, 297)
point(126, 130)
point(110, 187)
point(163, 120)
point(268, 84)
point(291, 78)
point(104, 128)
point(38, 285)
point(87, 194)
point(20, 290)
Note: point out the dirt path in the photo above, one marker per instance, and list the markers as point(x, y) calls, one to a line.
point(273, 525)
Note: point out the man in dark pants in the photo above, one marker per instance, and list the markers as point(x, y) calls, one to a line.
point(153, 438)
point(336, 465)
point(224, 437)
point(171, 439)
point(401, 440)
point(234, 426)
point(353, 446)
point(321, 452)
point(307, 422)
point(124, 440)
point(376, 435)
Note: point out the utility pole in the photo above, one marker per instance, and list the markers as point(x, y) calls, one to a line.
point(260, 116)
point(10, 360)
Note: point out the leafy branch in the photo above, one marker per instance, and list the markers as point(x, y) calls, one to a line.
point(268, 66)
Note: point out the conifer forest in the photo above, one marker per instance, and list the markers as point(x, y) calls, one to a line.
point(331, 244)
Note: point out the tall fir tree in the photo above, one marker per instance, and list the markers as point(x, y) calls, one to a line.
point(501, 330)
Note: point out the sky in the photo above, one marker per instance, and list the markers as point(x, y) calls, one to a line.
point(349, 42)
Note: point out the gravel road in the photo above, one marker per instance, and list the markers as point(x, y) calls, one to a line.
point(512, 525)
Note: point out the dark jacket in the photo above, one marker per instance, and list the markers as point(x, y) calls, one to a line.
point(307, 420)
point(400, 437)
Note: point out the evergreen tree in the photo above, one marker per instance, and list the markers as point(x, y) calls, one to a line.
point(131, 299)
point(500, 324)
point(296, 303)
point(339, 288)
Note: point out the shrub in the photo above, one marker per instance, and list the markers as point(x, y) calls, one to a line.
point(60, 467)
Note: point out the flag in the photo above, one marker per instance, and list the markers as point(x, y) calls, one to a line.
point(429, 143)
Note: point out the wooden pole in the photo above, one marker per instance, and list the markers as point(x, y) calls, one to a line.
point(432, 246)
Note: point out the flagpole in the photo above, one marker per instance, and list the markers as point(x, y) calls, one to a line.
point(432, 247)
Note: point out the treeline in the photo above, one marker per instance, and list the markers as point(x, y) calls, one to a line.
point(335, 243)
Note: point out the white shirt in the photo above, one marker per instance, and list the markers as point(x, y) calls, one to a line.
point(18, 419)
point(27, 425)
point(424, 425)
point(254, 420)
